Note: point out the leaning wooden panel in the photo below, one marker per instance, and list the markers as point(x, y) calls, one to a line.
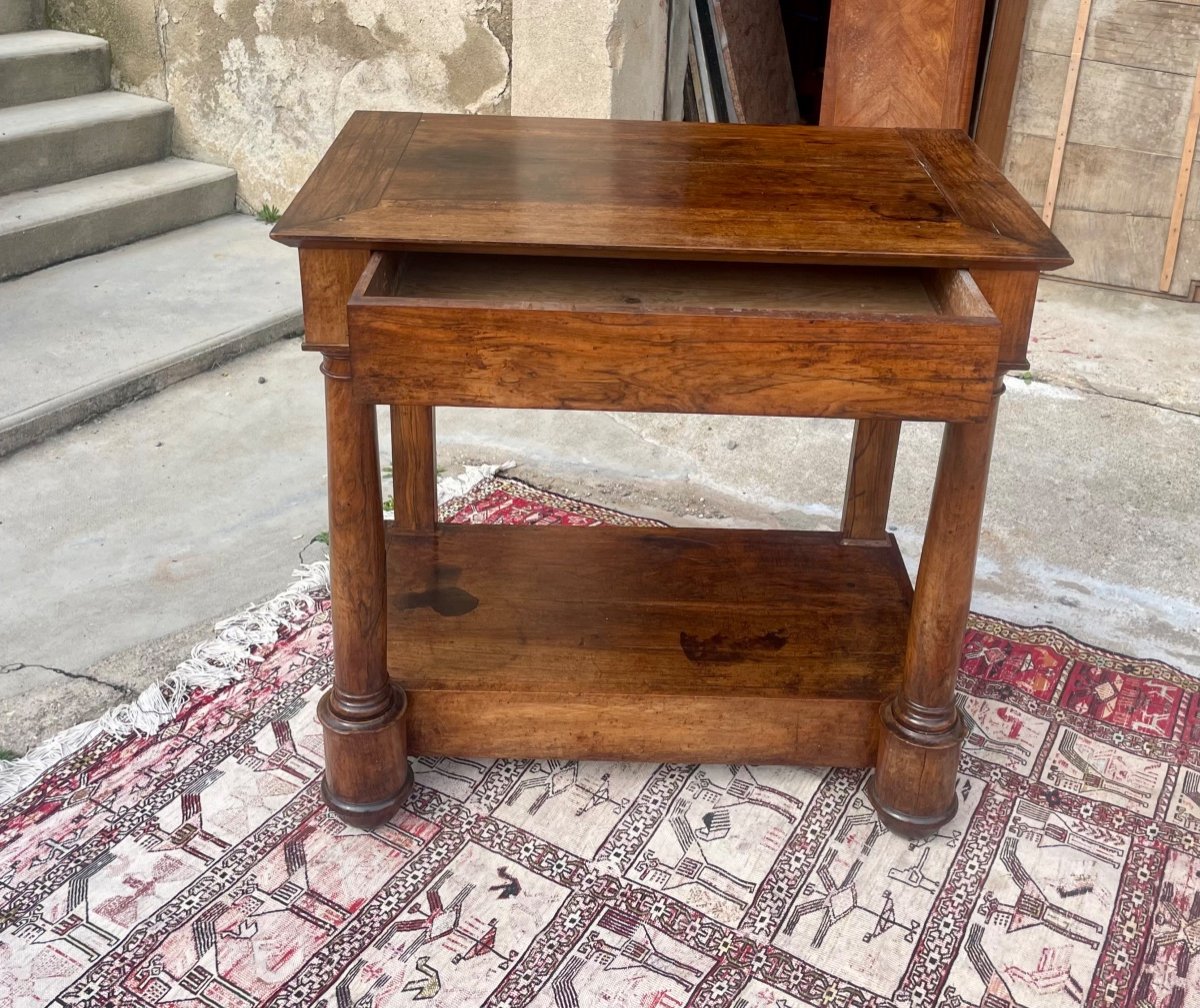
point(1000, 77)
point(1179, 203)
point(901, 62)
point(754, 48)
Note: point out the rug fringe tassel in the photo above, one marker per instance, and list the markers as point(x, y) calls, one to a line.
point(212, 664)
point(450, 487)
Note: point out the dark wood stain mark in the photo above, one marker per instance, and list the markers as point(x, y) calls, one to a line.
point(445, 601)
point(445, 598)
point(727, 650)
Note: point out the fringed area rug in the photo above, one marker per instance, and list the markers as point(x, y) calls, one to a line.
point(197, 866)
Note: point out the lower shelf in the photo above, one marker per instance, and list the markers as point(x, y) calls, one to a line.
point(687, 645)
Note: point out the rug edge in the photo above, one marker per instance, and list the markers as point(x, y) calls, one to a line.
point(221, 660)
point(216, 662)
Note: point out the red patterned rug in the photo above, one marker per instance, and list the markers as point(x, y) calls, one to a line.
point(196, 866)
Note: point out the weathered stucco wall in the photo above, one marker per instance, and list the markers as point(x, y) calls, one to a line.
point(591, 59)
point(264, 85)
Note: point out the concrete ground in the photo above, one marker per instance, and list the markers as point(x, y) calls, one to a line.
point(123, 540)
point(86, 335)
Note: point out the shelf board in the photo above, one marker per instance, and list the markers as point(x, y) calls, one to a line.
point(679, 644)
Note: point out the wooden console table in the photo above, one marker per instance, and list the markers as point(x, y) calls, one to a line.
point(873, 274)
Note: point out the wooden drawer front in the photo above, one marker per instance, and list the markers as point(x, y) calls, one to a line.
point(456, 330)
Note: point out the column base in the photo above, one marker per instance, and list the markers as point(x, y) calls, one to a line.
point(367, 776)
point(370, 815)
point(911, 827)
point(914, 787)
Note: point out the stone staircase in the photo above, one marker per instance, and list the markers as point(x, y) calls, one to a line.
point(85, 170)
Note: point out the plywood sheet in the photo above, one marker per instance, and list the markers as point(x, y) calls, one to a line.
point(1121, 167)
point(1149, 34)
point(1119, 249)
point(1106, 179)
point(1115, 106)
point(755, 53)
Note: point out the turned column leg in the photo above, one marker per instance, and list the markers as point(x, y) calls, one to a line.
point(367, 776)
point(414, 468)
point(869, 482)
point(914, 785)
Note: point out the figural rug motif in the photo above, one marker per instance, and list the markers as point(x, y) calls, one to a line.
point(197, 867)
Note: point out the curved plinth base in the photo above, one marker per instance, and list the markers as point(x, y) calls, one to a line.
point(371, 815)
point(367, 776)
point(911, 827)
point(914, 787)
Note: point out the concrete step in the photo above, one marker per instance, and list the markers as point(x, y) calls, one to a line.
point(21, 15)
point(71, 138)
point(40, 227)
point(37, 66)
point(87, 336)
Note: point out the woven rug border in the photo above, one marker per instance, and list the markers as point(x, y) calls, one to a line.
point(250, 636)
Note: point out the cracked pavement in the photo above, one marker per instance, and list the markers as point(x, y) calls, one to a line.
point(124, 540)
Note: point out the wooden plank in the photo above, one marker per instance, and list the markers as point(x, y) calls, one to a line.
point(590, 187)
point(753, 366)
point(1128, 33)
point(1115, 106)
point(1104, 179)
point(1000, 77)
point(869, 482)
point(728, 612)
point(1125, 250)
point(414, 468)
point(678, 44)
point(1119, 249)
point(1187, 159)
point(1064, 115)
point(326, 277)
point(901, 64)
point(698, 71)
point(715, 70)
point(750, 36)
point(812, 732)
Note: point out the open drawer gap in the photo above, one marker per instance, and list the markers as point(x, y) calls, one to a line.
point(637, 285)
point(762, 339)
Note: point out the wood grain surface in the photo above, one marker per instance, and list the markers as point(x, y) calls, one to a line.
point(593, 334)
point(592, 627)
point(1000, 77)
point(906, 63)
point(755, 52)
point(569, 726)
point(869, 481)
point(664, 190)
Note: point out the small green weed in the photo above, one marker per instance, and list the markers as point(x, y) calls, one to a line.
point(8, 754)
point(268, 213)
